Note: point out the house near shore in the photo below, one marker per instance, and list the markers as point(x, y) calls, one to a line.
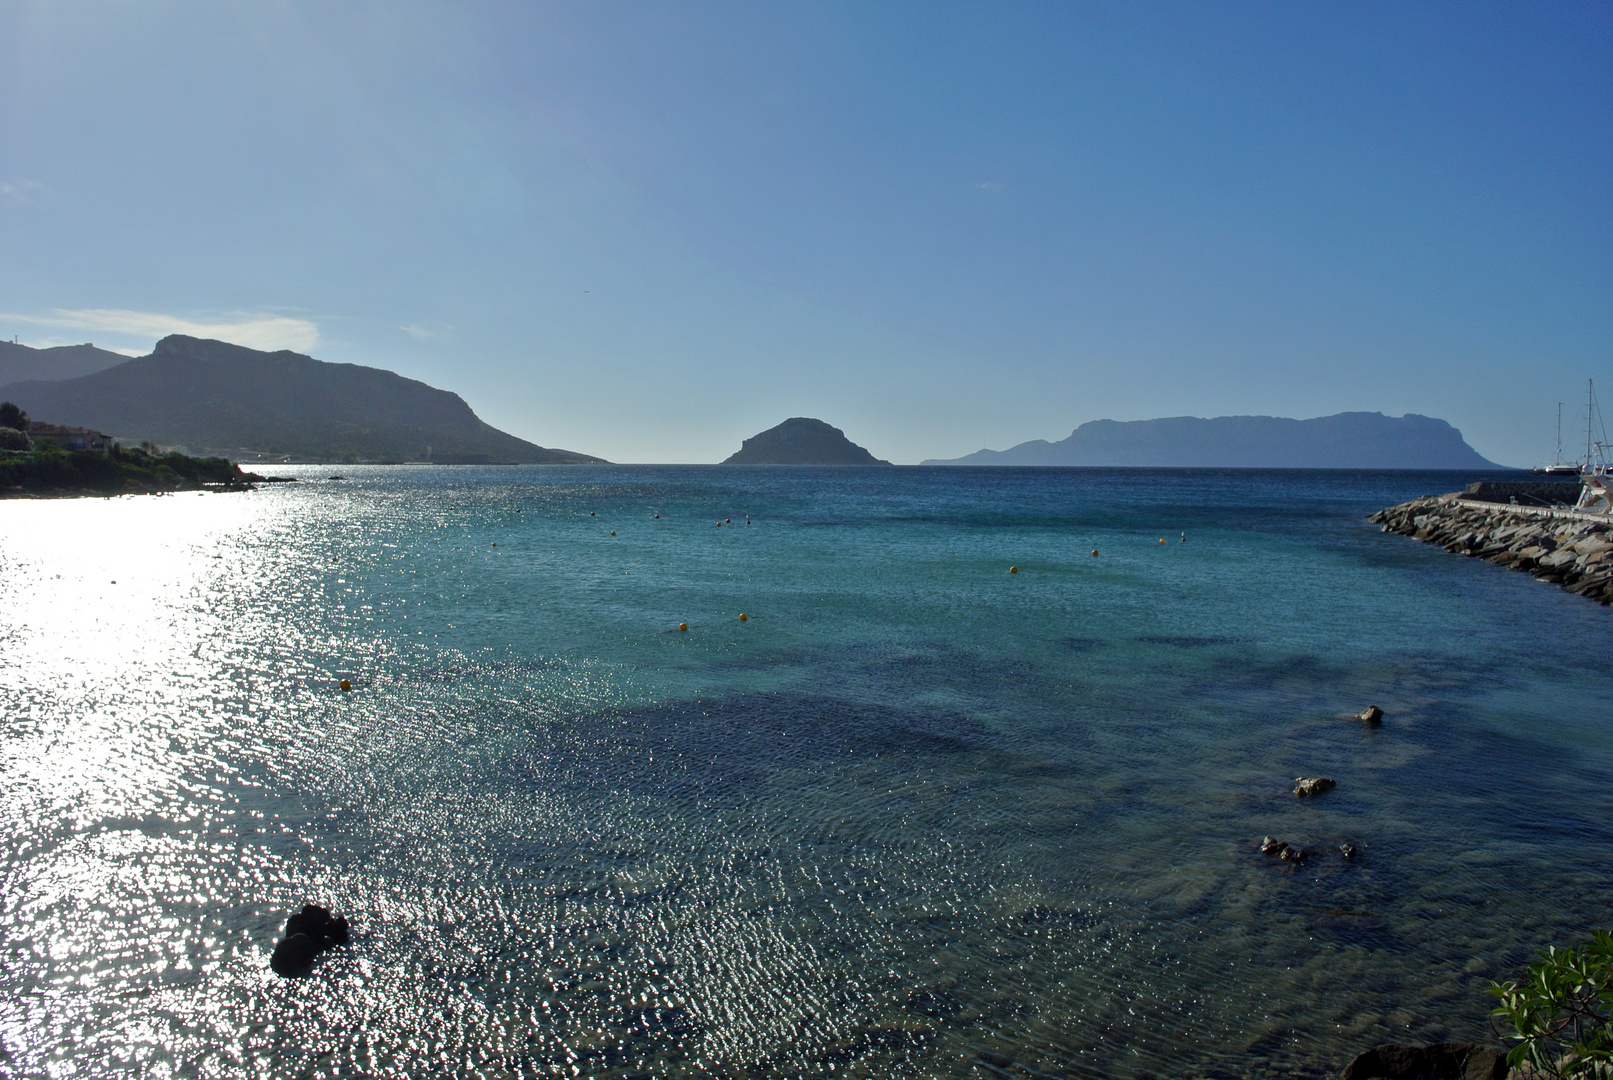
point(69, 438)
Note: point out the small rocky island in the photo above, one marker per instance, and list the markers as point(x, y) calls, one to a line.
point(802, 440)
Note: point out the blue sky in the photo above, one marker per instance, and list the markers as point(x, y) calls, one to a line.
point(647, 231)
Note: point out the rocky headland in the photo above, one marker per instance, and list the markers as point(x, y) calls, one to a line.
point(219, 399)
point(1566, 548)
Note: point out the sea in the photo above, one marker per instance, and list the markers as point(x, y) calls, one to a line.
point(916, 814)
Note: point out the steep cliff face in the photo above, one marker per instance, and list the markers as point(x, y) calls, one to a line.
point(210, 395)
point(802, 441)
point(1343, 441)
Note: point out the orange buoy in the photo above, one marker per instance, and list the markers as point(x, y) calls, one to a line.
point(613, 533)
point(1013, 569)
point(1094, 553)
point(495, 544)
point(743, 616)
point(683, 626)
point(1161, 539)
point(345, 685)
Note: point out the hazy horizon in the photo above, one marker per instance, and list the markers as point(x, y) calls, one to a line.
point(648, 233)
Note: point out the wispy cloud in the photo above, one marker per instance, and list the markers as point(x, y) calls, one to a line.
point(440, 332)
point(256, 331)
point(992, 186)
point(19, 192)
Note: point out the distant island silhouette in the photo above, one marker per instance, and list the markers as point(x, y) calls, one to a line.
point(216, 398)
point(802, 440)
point(1354, 440)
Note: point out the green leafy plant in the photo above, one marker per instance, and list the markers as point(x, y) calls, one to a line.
point(1561, 1014)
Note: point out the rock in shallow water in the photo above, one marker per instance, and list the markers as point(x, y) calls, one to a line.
point(1441, 1061)
point(309, 932)
point(1372, 716)
point(1312, 785)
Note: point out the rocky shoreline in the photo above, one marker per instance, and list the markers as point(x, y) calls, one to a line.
point(1574, 551)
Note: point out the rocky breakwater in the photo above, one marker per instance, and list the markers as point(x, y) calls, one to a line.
point(1571, 550)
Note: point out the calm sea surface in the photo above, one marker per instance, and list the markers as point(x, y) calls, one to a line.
point(916, 816)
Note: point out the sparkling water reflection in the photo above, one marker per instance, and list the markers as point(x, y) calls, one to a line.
point(915, 816)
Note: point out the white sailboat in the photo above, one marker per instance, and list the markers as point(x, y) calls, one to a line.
point(1596, 492)
point(1558, 466)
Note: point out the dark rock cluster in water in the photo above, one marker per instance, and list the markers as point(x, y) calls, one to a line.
point(1441, 1061)
point(309, 932)
point(1572, 552)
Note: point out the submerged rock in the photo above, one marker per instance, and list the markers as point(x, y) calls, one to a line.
point(1312, 785)
point(1441, 1061)
point(309, 932)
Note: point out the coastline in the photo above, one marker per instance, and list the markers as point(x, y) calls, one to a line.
point(67, 474)
point(1568, 549)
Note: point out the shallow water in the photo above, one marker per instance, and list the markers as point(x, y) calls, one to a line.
point(916, 816)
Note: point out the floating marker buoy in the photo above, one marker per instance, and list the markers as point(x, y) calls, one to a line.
point(1161, 539)
point(592, 514)
point(613, 533)
point(495, 545)
point(743, 616)
point(657, 517)
point(683, 626)
point(1094, 553)
point(345, 685)
point(1184, 538)
point(1013, 569)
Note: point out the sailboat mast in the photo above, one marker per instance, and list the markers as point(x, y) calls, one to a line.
point(1559, 458)
point(1590, 406)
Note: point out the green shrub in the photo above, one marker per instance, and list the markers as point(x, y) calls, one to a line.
point(1561, 1015)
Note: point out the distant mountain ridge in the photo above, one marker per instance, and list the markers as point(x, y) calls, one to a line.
point(1353, 440)
point(21, 363)
point(220, 398)
point(802, 440)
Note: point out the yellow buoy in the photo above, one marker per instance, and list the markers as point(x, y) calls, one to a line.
point(345, 685)
point(683, 626)
point(1013, 569)
point(1094, 553)
point(743, 616)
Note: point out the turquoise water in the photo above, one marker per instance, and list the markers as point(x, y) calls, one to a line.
point(916, 816)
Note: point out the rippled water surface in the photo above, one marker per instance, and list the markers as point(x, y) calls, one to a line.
point(916, 816)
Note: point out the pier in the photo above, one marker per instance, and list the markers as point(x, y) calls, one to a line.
point(1555, 543)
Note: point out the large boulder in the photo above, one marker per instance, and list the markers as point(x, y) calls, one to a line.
point(1441, 1061)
